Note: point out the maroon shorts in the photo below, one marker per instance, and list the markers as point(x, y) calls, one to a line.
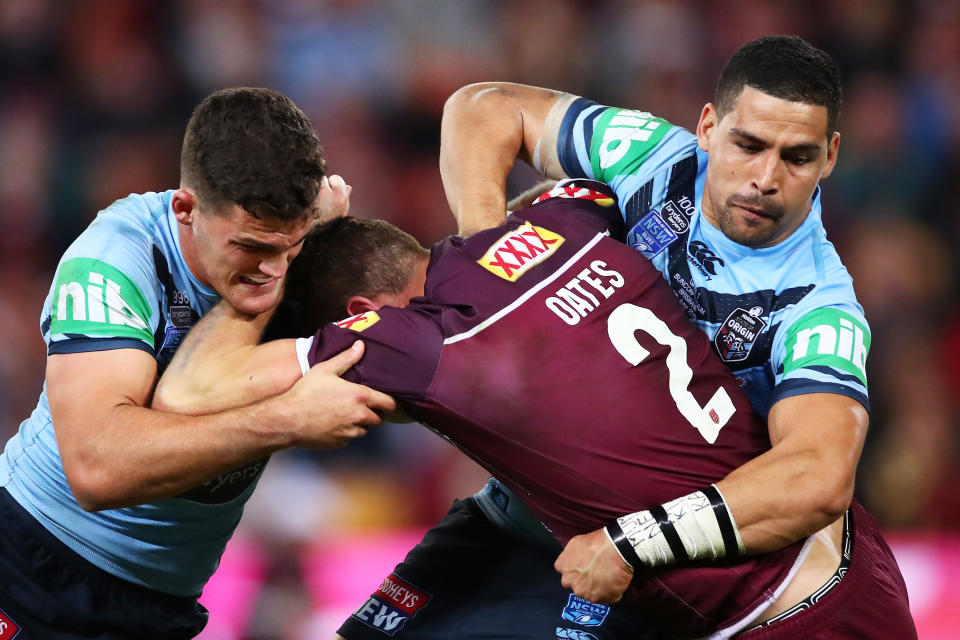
point(869, 603)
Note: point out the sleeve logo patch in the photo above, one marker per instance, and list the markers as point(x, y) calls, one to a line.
point(584, 612)
point(94, 298)
point(627, 138)
point(828, 337)
point(651, 235)
point(359, 322)
point(514, 253)
point(581, 193)
point(391, 605)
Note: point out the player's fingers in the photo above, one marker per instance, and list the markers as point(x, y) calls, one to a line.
point(560, 564)
point(355, 431)
point(380, 401)
point(340, 191)
point(343, 360)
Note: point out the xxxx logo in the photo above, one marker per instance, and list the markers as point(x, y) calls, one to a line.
point(519, 250)
point(360, 321)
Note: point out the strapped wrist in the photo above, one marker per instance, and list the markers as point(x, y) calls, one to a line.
point(698, 526)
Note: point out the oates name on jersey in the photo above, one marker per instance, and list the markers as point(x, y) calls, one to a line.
point(572, 302)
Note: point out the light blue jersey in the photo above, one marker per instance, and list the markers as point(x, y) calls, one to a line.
point(784, 318)
point(123, 284)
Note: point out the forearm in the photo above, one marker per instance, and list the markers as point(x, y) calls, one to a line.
point(801, 485)
point(138, 455)
point(117, 452)
point(805, 482)
point(221, 365)
point(485, 128)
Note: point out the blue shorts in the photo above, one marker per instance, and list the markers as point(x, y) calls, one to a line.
point(469, 578)
point(48, 591)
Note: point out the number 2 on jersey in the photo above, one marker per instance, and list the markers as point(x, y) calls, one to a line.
point(630, 318)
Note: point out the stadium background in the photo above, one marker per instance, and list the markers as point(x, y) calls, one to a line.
point(94, 95)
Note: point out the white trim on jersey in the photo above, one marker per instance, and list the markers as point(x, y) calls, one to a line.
point(747, 619)
point(530, 292)
point(303, 348)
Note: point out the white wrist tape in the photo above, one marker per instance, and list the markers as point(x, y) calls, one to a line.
point(698, 526)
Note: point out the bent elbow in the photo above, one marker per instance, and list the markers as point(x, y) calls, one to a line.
point(833, 496)
point(91, 487)
point(469, 95)
point(174, 398)
point(89, 499)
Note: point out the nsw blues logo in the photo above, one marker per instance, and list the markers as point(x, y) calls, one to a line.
point(584, 612)
point(391, 605)
point(651, 235)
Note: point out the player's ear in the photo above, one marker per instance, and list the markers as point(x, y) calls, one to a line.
point(183, 203)
point(360, 304)
point(706, 125)
point(833, 147)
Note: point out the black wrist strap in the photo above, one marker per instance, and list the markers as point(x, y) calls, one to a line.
point(724, 521)
point(623, 545)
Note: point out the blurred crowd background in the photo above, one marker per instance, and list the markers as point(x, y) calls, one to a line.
point(94, 95)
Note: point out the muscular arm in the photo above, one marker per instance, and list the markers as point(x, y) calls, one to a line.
point(802, 485)
point(221, 365)
point(118, 452)
point(805, 481)
point(485, 128)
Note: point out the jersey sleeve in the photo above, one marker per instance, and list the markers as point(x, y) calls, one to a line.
point(105, 292)
point(822, 348)
point(623, 148)
point(401, 354)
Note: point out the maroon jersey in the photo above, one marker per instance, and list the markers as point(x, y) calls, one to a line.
point(559, 359)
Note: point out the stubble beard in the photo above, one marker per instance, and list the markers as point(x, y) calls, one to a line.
point(750, 233)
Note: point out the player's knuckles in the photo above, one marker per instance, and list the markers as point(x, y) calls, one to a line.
point(376, 399)
point(359, 415)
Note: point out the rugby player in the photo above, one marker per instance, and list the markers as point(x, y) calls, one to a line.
point(521, 351)
point(115, 515)
point(730, 215)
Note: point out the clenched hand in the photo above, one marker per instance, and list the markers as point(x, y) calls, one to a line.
point(592, 568)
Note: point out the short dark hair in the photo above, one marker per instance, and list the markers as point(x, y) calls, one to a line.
point(341, 258)
point(786, 67)
point(255, 148)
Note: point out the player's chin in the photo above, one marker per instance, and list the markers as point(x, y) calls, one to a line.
point(752, 233)
point(254, 301)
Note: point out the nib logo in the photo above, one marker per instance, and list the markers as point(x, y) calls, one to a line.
point(829, 337)
point(99, 301)
point(91, 297)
